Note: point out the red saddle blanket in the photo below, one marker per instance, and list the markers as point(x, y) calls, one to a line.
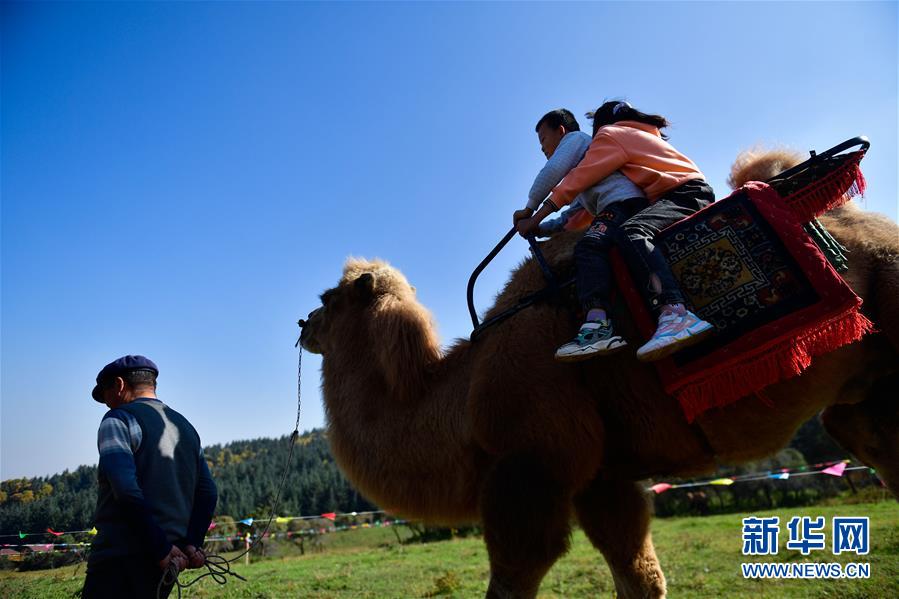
point(746, 265)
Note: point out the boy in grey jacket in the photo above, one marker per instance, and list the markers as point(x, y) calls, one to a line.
point(603, 207)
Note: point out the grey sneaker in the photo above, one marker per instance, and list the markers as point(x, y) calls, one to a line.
point(675, 332)
point(593, 339)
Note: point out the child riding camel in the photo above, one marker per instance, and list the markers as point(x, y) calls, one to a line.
point(628, 141)
point(607, 204)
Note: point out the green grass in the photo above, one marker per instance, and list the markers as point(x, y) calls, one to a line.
point(700, 556)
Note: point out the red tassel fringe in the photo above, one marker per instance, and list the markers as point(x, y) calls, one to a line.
point(830, 191)
point(783, 360)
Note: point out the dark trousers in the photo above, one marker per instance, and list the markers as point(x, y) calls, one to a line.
point(648, 266)
point(593, 278)
point(130, 577)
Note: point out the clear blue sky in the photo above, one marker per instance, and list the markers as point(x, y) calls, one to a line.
point(181, 180)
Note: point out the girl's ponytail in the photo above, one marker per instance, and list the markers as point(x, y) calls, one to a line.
point(619, 110)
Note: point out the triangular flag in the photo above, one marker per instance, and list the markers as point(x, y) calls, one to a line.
point(329, 516)
point(53, 532)
point(660, 487)
point(92, 531)
point(780, 475)
point(722, 481)
point(248, 522)
point(211, 526)
point(22, 535)
point(836, 469)
point(282, 519)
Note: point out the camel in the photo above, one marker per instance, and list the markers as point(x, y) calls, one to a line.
point(496, 432)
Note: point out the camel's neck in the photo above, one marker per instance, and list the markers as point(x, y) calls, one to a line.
point(410, 455)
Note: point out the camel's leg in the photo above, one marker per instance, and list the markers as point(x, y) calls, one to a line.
point(870, 430)
point(615, 516)
point(525, 513)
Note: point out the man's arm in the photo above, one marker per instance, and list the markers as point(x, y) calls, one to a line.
point(205, 499)
point(114, 441)
point(567, 155)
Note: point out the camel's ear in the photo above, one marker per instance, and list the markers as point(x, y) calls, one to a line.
point(364, 286)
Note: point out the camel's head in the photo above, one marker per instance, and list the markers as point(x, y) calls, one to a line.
point(372, 320)
point(369, 292)
point(760, 164)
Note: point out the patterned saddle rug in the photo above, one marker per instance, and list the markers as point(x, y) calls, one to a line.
point(746, 265)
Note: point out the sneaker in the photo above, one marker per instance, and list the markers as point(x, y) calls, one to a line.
point(593, 339)
point(675, 332)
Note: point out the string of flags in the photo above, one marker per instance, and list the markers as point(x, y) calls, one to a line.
point(332, 516)
point(310, 531)
point(836, 468)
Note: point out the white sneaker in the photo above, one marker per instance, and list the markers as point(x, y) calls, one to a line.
point(594, 338)
point(675, 332)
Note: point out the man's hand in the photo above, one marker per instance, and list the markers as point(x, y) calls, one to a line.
point(527, 226)
point(521, 214)
point(175, 556)
point(195, 557)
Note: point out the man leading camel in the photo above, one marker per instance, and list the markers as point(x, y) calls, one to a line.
point(156, 495)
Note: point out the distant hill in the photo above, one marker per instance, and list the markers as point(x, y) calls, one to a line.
point(247, 474)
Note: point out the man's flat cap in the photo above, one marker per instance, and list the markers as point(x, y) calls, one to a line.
point(119, 367)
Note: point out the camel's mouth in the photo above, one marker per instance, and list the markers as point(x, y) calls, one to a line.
point(307, 334)
point(312, 348)
point(307, 341)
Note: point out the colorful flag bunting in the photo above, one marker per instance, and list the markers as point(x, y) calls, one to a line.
point(835, 470)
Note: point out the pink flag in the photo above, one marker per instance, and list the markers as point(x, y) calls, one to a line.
point(53, 532)
point(660, 487)
point(329, 516)
point(211, 526)
point(836, 469)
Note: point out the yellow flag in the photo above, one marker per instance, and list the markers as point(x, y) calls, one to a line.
point(722, 481)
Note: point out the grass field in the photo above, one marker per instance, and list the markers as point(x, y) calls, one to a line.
point(700, 556)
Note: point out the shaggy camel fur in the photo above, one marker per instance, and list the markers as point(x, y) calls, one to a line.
point(499, 433)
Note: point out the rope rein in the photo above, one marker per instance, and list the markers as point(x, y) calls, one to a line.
point(219, 568)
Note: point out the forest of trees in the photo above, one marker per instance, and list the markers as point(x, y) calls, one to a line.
point(247, 474)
